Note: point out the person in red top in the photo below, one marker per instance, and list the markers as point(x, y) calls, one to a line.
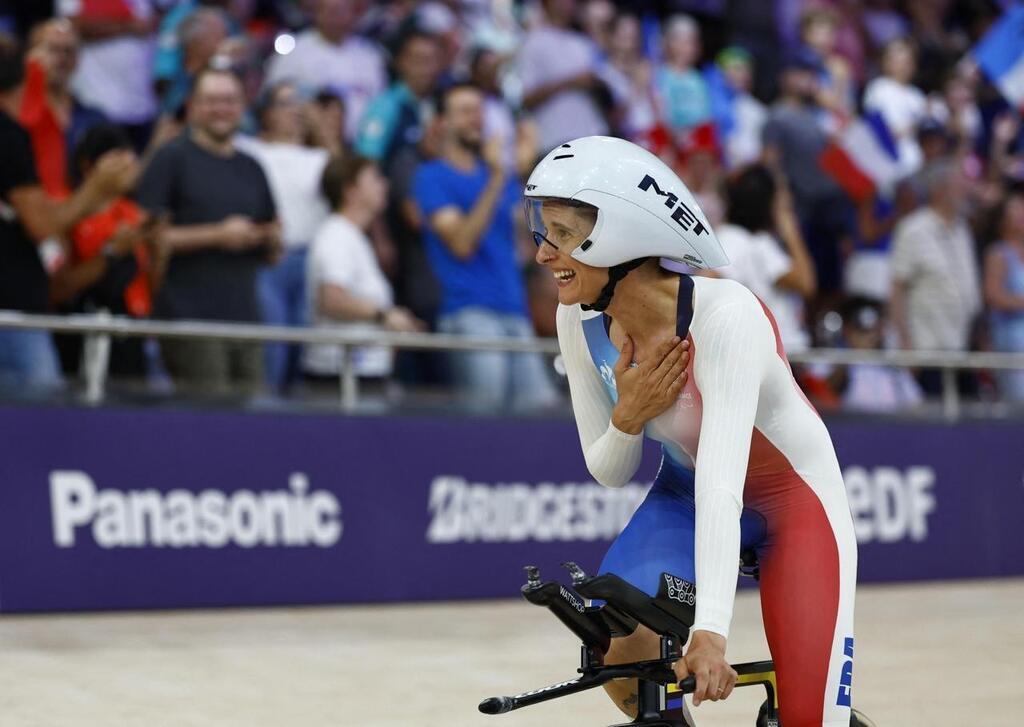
point(117, 234)
point(114, 262)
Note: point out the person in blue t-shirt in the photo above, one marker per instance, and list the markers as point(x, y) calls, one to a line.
point(468, 203)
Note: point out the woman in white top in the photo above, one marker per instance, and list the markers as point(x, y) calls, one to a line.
point(696, 364)
point(346, 284)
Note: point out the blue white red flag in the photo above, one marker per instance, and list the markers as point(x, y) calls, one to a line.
point(1000, 55)
point(863, 158)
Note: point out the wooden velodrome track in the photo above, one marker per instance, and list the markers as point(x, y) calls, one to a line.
point(933, 654)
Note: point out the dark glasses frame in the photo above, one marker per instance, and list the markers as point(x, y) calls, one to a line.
point(539, 239)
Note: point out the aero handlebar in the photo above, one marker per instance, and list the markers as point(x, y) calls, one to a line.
point(659, 671)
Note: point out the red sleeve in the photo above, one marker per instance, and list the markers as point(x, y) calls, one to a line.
point(48, 143)
point(33, 98)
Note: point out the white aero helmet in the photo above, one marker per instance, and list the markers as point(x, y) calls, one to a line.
point(643, 209)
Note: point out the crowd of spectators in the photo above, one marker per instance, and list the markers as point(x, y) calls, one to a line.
point(347, 162)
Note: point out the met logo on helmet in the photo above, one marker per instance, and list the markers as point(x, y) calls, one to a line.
point(682, 214)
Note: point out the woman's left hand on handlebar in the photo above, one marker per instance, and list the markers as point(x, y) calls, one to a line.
point(705, 660)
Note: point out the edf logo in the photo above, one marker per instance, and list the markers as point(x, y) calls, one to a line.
point(846, 678)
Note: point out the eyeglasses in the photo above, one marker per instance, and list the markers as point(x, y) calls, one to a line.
point(539, 240)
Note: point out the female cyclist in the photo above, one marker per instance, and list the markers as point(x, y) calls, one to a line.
point(696, 364)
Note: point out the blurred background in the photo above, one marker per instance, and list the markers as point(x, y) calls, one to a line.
point(271, 332)
point(861, 162)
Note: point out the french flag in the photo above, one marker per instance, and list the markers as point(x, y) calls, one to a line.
point(863, 158)
point(1000, 55)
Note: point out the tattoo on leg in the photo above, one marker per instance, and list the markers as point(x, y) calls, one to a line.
point(631, 700)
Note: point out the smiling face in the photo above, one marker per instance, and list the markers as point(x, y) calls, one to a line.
point(217, 105)
point(565, 227)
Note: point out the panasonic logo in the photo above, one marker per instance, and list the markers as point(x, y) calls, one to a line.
point(516, 512)
point(294, 517)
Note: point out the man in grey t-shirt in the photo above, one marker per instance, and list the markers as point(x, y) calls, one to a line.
point(223, 228)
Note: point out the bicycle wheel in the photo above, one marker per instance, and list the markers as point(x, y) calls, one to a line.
point(857, 719)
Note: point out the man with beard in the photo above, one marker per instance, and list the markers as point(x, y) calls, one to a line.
point(469, 202)
point(222, 229)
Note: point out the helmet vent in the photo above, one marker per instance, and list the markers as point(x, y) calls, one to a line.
point(586, 245)
point(565, 146)
point(563, 156)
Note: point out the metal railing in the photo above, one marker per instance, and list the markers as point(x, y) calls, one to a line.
point(97, 329)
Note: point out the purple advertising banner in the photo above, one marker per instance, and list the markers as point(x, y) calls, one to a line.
point(104, 508)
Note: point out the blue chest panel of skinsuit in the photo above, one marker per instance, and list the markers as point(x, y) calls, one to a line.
point(660, 536)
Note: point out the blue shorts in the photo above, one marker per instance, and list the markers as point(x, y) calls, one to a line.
point(660, 536)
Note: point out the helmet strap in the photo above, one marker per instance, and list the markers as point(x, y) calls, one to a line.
point(615, 274)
